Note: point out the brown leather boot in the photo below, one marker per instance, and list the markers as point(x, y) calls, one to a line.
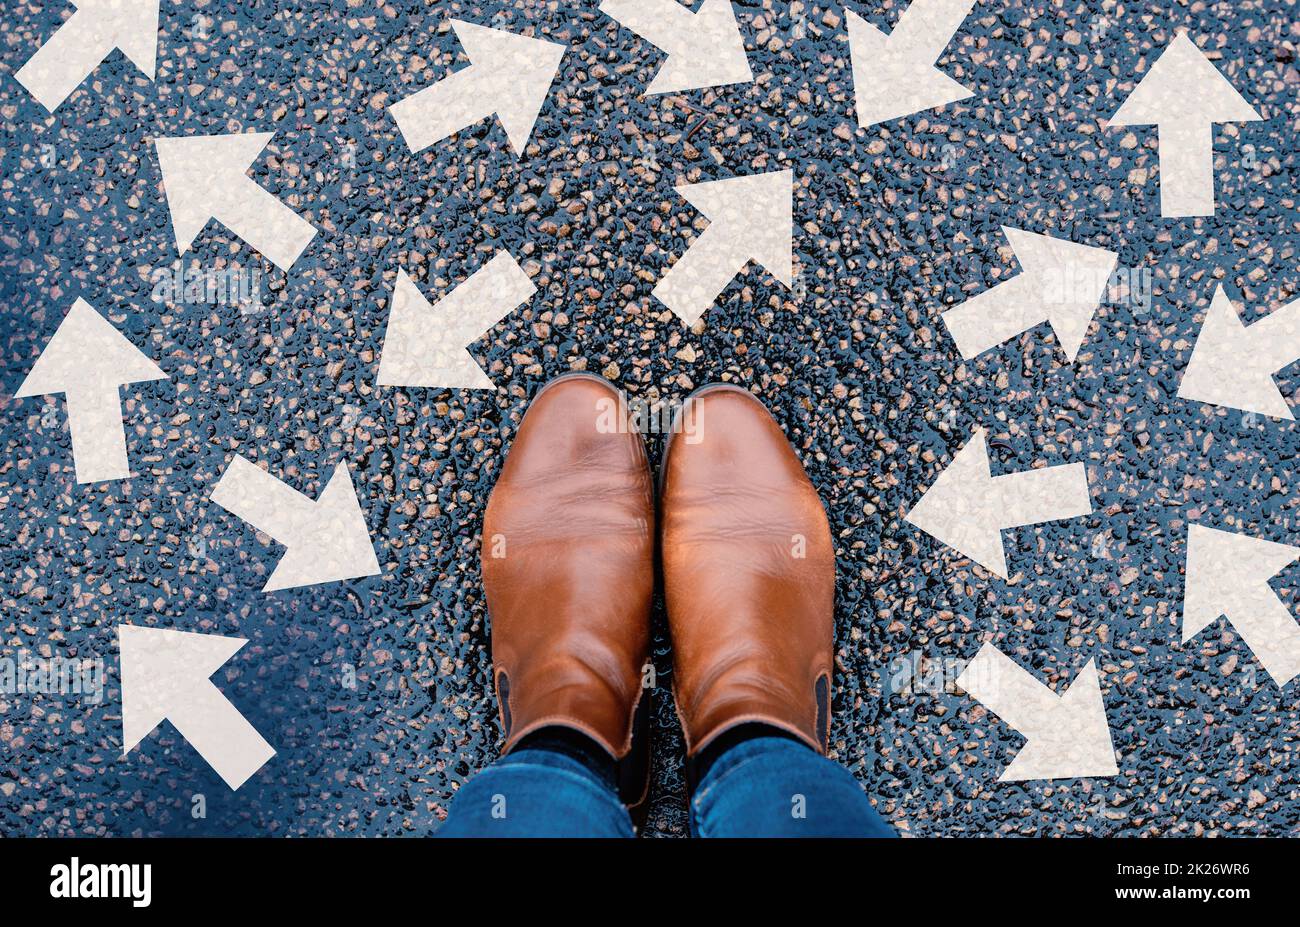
point(749, 574)
point(568, 567)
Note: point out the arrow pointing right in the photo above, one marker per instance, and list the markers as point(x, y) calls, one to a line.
point(509, 75)
point(1060, 282)
point(705, 48)
point(87, 359)
point(327, 540)
point(1068, 735)
point(894, 75)
point(1233, 365)
point(205, 178)
point(750, 218)
point(1184, 95)
point(165, 675)
point(84, 40)
point(1228, 574)
point(967, 507)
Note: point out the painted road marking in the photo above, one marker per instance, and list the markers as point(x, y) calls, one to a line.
point(704, 48)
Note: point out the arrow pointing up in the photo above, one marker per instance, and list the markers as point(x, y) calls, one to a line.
point(87, 38)
point(705, 48)
point(1233, 365)
point(750, 218)
point(165, 676)
point(1060, 282)
point(327, 540)
point(509, 75)
point(428, 345)
point(1228, 574)
point(87, 360)
point(1068, 735)
point(205, 178)
point(1184, 95)
point(894, 75)
point(967, 508)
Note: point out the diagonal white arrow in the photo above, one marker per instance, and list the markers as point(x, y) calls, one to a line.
point(1228, 574)
point(205, 178)
point(894, 75)
point(750, 218)
point(1067, 736)
point(84, 40)
point(509, 75)
point(1060, 282)
point(428, 345)
point(704, 48)
point(1184, 95)
point(967, 507)
point(165, 676)
point(87, 359)
point(1233, 364)
point(327, 540)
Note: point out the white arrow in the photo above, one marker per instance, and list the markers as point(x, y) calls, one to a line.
point(87, 360)
point(165, 675)
point(1184, 95)
point(1233, 365)
point(428, 345)
point(1059, 282)
point(205, 177)
point(750, 218)
point(85, 39)
point(327, 540)
point(967, 507)
point(894, 75)
point(1067, 736)
point(509, 75)
point(1228, 574)
point(704, 48)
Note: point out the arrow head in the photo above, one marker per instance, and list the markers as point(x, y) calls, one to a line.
point(711, 53)
point(1229, 368)
point(1183, 86)
point(160, 670)
point(333, 543)
point(516, 73)
point(960, 507)
point(1073, 741)
point(756, 211)
point(87, 353)
point(1226, 573)
point(198, 170)
point(892, 79)
point(1067, 278)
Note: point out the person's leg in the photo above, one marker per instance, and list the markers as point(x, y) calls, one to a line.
point(757, 782)
point(555, 783)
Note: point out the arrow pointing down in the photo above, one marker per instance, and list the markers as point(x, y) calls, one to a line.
point(509, 75)
point(327, 540)
point(967, 508)
point(1067, 736)
point(705, 48)
point(1228, 574)
point(88, 360)
point(165, 676)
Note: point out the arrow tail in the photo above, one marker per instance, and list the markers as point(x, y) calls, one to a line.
point(98, 435)
point(701, 274)
point(1269, 629)
point(992, 317)
point(251, 494)
point(273, 229)
point(1007, 689)
point(442, 109)
point(927, 26)
point(220, 734)
point(1187, 169)
point(65, 60)
point(659, 22)
point(1047, 494)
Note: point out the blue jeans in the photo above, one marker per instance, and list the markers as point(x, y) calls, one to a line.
point(761, 787)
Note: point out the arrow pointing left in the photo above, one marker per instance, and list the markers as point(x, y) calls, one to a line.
point(751, 218)
point(88, 360)
point(1067, 735)
point(327, 540)
point(704, 48)
point(165, 676)
point(85, 39)
point(205, 178)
